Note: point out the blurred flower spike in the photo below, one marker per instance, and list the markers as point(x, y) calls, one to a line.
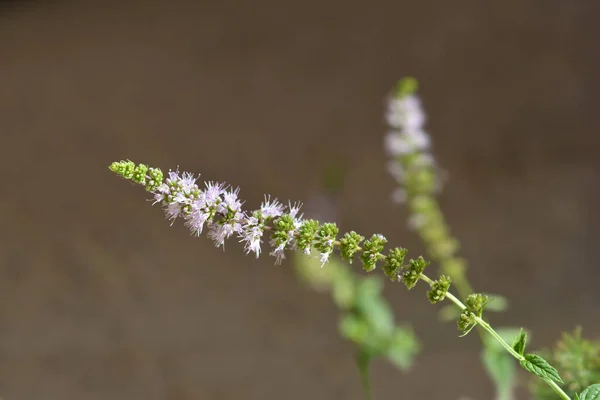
point(408, 143)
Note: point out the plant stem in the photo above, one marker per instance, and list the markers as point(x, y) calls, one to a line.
point(557, 389)
point(495, 335)
point(363, 359)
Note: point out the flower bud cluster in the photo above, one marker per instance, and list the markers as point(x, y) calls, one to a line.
point(439, 289)
point(475, 304)
point(411, 276)
point(371, 252)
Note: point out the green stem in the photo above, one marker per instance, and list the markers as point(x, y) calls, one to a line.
point(495, 335)
point(557, 389)
point(363, 359)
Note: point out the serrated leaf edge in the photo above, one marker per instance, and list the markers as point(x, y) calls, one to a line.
point(541, 368)
point(584, 394)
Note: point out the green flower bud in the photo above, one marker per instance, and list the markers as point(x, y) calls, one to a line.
point(115, 167)
point(439, 289)
point(350, 245)
point(139, 174)
point(306, 235)
point(371, 252)
point(125, 169)
point(422, 204)
point(424, 179)
point(325, 240)
point(466, 322)
point(393, 263)
point(406, 86)
point(476, 302)
point(156, 179)
point(283, 226)
point(413, 274)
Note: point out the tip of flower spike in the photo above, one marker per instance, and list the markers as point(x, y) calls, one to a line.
point(406, 86)
point(125, 169)
point(116, 166)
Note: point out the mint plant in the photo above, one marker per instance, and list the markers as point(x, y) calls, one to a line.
point(217, 209)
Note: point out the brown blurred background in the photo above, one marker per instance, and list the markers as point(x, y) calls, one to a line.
point(101, 299)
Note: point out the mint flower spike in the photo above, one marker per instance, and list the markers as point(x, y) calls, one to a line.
point(406, 117)
point(218, 207)
point(409, 144)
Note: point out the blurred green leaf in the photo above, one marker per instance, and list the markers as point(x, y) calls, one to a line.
point(353, 328)
point(500, 365)
point(403, 348)
point(368, 319)
point(578, 361)
point(367, 289)
point(379, 316)
point(497, 303)
point(501, 368)
point(374, 308)
point(591, 392)
point(449, 313)
point(343, 292)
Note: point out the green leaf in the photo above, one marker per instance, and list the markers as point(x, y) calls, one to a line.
point(378, 314)
point(501, 369)
point(373, 308)
point(540, 367)
point(343, 292)
point(449, 313)
point(310, 272)
point(366, 290)
point(353, 328)
point(497, 303)
point(403, 348)
point(520, 342)
point(591, 392)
